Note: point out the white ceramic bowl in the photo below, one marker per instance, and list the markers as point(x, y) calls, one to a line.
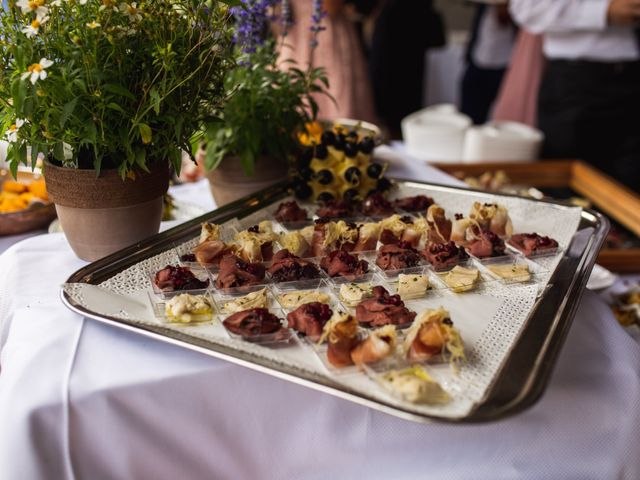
point(436, 133)
point(502, 141)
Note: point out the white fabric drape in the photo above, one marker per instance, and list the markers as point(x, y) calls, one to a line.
point(79, 399)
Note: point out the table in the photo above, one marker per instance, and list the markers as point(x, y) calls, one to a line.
point(79, 399)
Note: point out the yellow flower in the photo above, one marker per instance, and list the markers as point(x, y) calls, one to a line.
point(93, 25)
point(312, 134)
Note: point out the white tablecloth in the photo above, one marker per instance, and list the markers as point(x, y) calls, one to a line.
point(79, 399)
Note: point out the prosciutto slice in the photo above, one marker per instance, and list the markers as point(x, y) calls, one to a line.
point(398, 256)
point(254, 322)
point(342, 264)
point(383, 309)
point(310, 319)
point(235, 272)
point(287, 267)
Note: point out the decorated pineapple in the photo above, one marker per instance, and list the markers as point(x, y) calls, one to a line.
point(335, 164)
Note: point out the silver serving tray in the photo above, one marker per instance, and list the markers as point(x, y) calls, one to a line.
point(521, 379)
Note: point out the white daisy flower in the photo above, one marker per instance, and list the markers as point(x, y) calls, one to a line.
point(37, 6)
point(11, 135)
point(33, 28)
point(37, 71)
point(131, 10)
point(109, 4)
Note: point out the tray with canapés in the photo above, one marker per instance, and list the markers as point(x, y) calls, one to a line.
point(418, 303)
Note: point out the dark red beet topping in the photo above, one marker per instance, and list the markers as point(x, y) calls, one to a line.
point(172, 278)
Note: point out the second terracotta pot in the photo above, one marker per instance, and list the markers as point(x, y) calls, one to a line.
point(228, 182)
point(101, 215)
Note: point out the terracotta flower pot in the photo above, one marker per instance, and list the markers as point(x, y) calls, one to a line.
point(228, 182)
point(101, 215)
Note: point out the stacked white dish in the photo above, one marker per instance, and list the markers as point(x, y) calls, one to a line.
point(502, 141)
point(436, 133)
point(442, 134)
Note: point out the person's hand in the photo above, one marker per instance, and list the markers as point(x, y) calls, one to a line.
point(624, 12)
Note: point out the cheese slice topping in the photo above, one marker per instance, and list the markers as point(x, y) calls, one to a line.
point(252, 300)
point(461, 279)
point(416, 386)
point(353, 293)
point(295, 299)
point(412, 286)
point(516, 272)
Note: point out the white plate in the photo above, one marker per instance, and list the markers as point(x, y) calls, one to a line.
point(182, 211)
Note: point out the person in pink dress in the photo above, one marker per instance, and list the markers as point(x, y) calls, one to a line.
point(518, 96)
point(338, 50)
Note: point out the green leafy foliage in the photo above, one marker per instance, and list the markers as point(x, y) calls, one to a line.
point(128, 83)
point(266, 106)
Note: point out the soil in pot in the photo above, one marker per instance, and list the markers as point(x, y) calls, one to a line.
point(101, 215)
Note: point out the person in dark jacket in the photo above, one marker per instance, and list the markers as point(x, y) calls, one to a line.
point(403, 31)
point(487, 58)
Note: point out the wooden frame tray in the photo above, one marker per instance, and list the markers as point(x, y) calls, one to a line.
point(607, 195)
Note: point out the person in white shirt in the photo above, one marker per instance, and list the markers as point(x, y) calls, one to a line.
point(589, 102)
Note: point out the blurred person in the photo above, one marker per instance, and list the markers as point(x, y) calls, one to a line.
point(589, 98)
point(487, 57)
point(517, 99)
point(339, 51)
point(402, 33)
point(362, 10)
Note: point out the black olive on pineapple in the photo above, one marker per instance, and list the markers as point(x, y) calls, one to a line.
point(321, 152)
point(339, 142)
point(324, 177)
point(374, 170)
point(352, 175)
point(366, 145)
point(351, 194)
point(328, 138)
point(325, 197)
point(350, 149)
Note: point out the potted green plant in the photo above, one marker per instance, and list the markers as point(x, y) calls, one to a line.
point(251, 143)
point(110, 92)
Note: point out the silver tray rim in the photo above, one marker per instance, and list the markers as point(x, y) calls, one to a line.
point(519, 383)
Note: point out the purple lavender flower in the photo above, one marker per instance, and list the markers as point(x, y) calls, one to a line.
point(252, 20)
point(316, 22)
point(286, 17)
